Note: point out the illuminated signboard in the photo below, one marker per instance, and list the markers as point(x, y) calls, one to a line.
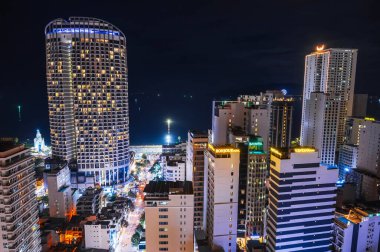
point(220, 150)
point(84, 30)
point(273, 150)
point(369, 119)
point(304, 150)
point(255, 147)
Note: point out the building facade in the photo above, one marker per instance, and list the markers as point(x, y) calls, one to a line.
point(87, 82)
point(196, 146)
point(62, 199)
point(256, 188)
point(221, 196)
point(332, 72)
point(302, 197)
point(169, 216)
point(281, 122)
point(357, 231)
point(18, 204)
point(98, 235)
point(348, 156)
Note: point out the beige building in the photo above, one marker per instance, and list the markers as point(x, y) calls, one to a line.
point(221, 196)
point(62, 198)
point(18, 204)
point(169, 213)
point(196, 146)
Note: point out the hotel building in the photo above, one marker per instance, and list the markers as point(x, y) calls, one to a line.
point(331, 72)
point(302, 199)
point(18, 204)
point(87, 83)
point(196, 146)
point(221, 196)
point(169, 216)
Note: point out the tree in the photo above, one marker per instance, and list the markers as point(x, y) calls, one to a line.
point(135, 239)
point(142, 219)
point(139, 229)
point(131, 194)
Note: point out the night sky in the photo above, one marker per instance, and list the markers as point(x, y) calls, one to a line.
point(188, 53)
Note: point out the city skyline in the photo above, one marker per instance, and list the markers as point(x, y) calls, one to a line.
point(222, 49)
point(203, 126)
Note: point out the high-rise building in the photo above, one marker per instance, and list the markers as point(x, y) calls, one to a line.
point(281, 122)
point(87, 82)
point(360, 105)
point(268, 115)
point(169, 213)
point(196, 146)
point(369, 150)
point(348, 156)
point(352, 130)
point(18, 203)
point(302, 199)
point(62, 199)
point(359, 230)
point(332, 72)
point(256, 188)
point(221, 196)
point(367, 174)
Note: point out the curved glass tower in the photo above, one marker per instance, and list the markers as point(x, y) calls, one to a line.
point(87, 82)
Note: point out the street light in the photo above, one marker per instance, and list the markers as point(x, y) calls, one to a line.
point(168, 137)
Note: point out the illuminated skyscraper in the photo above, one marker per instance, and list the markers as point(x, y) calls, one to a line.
point(196, 146)
point(221, 196)
point(18, 202)
point(332, 72)
point(87, 81)
point(302, 197)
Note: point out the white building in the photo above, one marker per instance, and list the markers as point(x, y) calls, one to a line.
point(151, 151)
point(99, 235)
point(352, 131)
point(357, 231)
point(330, 71)
point(196, 146)
point(39, 143)
point(62, 199)
point(86, 70)
point(348, 157)
point(369, 150)
point(169, 213)
point(268, 115)
point(18, 203)
point(225, 115)
point(174, 170)
point(302, 199)
point(221, 196)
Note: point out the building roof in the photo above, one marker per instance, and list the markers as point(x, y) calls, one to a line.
point(198, 133)
point(10, 146)
point(8, 143)
point(169, 187)
point(284, 152)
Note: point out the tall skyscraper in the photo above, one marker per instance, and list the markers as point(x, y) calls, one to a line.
point(196, 146)
point(256, 188)
point(87, 82)
point(332, 72)
point(18, 204)
point(169, 209)
point(281, 122)
point(221, 196)
point(302, 199)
